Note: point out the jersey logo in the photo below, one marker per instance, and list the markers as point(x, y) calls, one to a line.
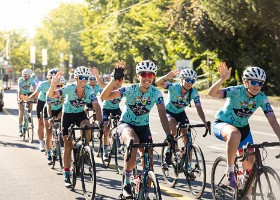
point(243, 112)
point(115, 101)
point(179, 104)
point(77, 103)
point(138, 109)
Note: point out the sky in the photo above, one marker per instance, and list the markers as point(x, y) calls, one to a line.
point(27, 14)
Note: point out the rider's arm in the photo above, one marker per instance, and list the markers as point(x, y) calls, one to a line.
point(163, 118)
point(99, 81)
point(108, 93)
point(160, 82)
point(273, 123)
point(34, 95)
point(52, 93)
point(97, 109)
point(214, 90)
point(201, 114)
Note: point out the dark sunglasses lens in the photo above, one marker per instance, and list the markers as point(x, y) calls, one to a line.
point(254, 83)
point(83, 78)
point(92, 79)
point(189, 81)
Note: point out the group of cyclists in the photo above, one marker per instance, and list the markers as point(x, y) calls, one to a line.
point(68, 101)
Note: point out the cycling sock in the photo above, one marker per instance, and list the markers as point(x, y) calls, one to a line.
point(48, 152)
point(20, 127)
point(66, 172)
point(106, 149)
point(127, 177)
point(230, 168)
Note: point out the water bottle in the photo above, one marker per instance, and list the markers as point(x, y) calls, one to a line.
point(245, 178)
point(178, 156)
point(136, 181)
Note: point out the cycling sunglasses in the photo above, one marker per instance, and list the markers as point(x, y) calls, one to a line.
point(188, 80)
point(83, 78)
point(256, 82)
point(147, 74)
point(59, 86)
point(92, 79)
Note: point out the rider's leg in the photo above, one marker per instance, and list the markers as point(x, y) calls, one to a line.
point(20, 118)
point(48, 138)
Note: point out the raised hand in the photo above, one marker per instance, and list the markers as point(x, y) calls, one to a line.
point(172, 74)
point(94, 71)
point(119, 69)
point(224, 71)
point(56, 79)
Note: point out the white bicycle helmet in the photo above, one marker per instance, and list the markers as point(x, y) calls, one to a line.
point(26, 72)
point(53, 71)
point(82, 71)
point(62, 80)
point(33, 75)
point(146, 66)
point(254, 73)
point(188, 73)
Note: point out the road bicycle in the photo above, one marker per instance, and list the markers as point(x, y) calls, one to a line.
point(263, 181)
point(83, 165)
point(96, 134)
point(28, 126)
point(145, 186)
point(116, 146)
point(189, 160)
point(56, 142)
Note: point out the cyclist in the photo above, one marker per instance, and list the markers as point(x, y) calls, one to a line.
point(97, 89)
point(24, 88)
point(54, 108)
point(77, 95)
point(179, 96)
point(139, 100)
point(40, 93)
point(231, 124)
point(108, 107)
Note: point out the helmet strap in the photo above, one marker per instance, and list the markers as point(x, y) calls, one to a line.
point(250, 93)
point(184, 87)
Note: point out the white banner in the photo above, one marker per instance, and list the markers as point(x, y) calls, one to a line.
point(44, 57)
point(32, 54)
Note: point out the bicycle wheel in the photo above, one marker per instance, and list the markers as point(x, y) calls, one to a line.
point(119, 154)
point(266, 185)
point(96, 141)
point(76, 166)
point(169, 172)
point(152, 192)
point(88, 173)
point(31, 127)
point(106, 163)
point(220, 190)
point(196, 172)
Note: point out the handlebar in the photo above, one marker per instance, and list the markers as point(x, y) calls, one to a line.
point(116, 117)
point(55, 123)
point(190, 126)
point(71, 129)
point(142, 145)
point(257, 146)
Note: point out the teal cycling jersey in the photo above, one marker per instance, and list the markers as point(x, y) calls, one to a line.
point(24, 86)
point(138, 104)
point(56, 103)
point(96, 88)
point(176, 102)
point(112, 104)
point(72, 103)
point(42, 88)
point(239, 106)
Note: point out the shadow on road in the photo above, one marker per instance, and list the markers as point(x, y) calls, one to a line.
point(18, 145)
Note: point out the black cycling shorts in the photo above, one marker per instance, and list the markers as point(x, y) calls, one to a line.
point(106, 113)
point(72, 118)
point(41, 109)
point(179, 117)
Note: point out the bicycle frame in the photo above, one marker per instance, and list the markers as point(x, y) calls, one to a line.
point(257, 166)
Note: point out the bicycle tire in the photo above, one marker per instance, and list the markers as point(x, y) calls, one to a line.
point(96, 141)
point(76, 166)
point(219, 187)
point(25, 129)
point(31, 137)
point(266, 184)
point(170, 176)
point(106, 163)
point(88, 173)
point(152, 192)
point(197, 180)
point(119, 154)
